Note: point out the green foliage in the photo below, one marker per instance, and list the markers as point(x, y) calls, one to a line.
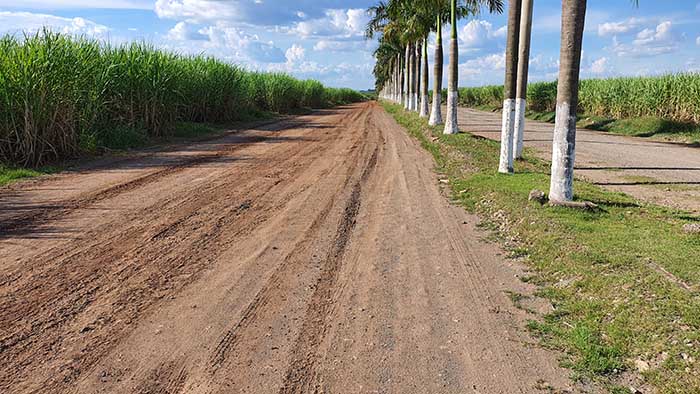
point(10, 174)
point(61, 95)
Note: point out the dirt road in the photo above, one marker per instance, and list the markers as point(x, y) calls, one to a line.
point(662, 173)
point(312, 255)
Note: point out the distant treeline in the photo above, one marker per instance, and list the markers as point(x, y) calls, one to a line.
point(674, 97)
point(60, 93)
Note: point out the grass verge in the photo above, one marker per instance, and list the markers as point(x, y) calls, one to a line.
point(618, 278)
point(10, 174)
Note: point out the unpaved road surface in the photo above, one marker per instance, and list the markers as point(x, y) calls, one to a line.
point(662, 173)
point(313, 255)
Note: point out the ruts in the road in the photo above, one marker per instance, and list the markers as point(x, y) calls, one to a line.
point(313, 255)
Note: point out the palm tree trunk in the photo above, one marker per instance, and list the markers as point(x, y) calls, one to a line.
point(523, 65)
point(573, 18)
point(424, 106)
point(505, 164)
point(397, 97)
point(407, 60)
point(451, 126)
point(436, 112)
point(418, 69)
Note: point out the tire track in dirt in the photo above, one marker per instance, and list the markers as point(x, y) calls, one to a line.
point(228, 342)
point(11, 225)
point(300, 376)
point(126, 245)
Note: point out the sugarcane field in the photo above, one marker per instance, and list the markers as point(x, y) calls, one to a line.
point(349, 196)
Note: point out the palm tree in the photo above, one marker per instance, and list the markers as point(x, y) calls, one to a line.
point(436, 111)
point(451, 126)
point(409, 78)
point(424, 105)
point(505, 164)
point(419, 77)
point(573, 19)
point(470, 7)
point(408, 24)
point(523, 65)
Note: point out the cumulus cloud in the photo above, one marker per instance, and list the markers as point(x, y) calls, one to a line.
point(251, 12)
point(295, 54)
point(335, 22)
point(697, 41)
point(183, 32)
point(54, 4)
point(480, 34)
point(650, 42)
point(15, 22)
point(225, 42)
point(196, 11)
point(612, 28)
point(487, 63)
point(346, 45)
point(599, 66)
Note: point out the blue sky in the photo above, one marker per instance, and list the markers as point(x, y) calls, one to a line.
point(323, 39)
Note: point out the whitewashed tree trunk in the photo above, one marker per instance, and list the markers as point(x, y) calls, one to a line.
point(519, 127)
point(436, 111)
point(505, 164)
point(407, 77)
point(451, 124)
point(564, 142)
point(523, 65)
point(416, 75)
point(397, 94)
point(424, 99)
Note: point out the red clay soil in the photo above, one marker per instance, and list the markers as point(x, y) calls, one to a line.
point(313, 255)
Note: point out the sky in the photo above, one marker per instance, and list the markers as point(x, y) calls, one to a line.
point(324, 39)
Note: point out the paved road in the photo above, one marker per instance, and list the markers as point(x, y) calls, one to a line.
point(316, 254)
point(663, 173)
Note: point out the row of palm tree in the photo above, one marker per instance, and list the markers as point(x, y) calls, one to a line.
point(403, 27)
point(402, 69)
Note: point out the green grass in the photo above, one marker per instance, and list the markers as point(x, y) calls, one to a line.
point(598, 269)
point(61, 95)
point(11, 174)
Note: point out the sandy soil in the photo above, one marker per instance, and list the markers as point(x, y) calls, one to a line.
point(314, 255)
point(662, 173)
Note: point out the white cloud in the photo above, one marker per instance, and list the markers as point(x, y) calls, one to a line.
point(487, 64)
point(183, 32)
point(480, 34)
point(324, 45)
point(600, 66)
point(336, 22)
point(225, 42)
point(196, 11)
point(295, 54)
point(697, 41)
point(612, 28)
point(14, 22)
point(649, 42)
point(56, 4)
